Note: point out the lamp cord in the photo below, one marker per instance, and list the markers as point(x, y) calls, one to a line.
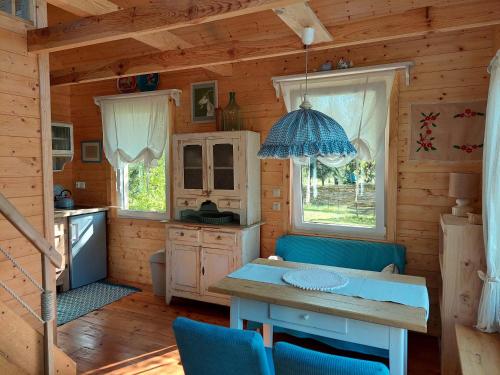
point(307, 69)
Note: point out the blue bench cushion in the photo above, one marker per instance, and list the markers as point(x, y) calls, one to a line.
point(363, 255)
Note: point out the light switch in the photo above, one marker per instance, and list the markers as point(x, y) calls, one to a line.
point(276, 206)
point(276, 193)
point(81, 185)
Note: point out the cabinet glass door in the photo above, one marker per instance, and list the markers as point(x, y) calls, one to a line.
point(222, 167)
point(192, 167)
point(61, 138)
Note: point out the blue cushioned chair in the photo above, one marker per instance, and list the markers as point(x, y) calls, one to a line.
point(294, 360)
point(207, 349)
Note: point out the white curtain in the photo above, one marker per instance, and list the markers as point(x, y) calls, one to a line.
point(135, 128)
point(360, 104)
point(488, 319)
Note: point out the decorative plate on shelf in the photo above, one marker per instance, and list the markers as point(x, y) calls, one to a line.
point(148, 82)
point(315, 279)
point(126, 84)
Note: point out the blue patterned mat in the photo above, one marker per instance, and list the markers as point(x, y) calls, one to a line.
point(78, 302)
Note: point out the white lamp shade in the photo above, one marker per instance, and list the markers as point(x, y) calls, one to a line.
point(464, 185)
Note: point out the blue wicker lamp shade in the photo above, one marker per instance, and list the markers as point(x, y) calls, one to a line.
point(306, 133)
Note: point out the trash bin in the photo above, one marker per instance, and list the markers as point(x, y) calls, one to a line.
point(157, 262)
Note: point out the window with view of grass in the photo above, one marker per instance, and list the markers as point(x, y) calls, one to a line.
point(144, 191)
point(344, 200)
point(344, 197)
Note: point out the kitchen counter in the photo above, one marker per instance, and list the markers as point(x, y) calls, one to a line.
point(203, 225)
point(61, 213)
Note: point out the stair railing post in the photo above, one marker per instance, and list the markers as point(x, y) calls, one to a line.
point(48, 314)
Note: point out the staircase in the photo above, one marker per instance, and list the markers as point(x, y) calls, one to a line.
point(21, 348)
point(24, 350)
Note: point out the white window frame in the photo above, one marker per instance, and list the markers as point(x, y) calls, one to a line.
point(32, 11)
point(378, 232)
point(122, 183)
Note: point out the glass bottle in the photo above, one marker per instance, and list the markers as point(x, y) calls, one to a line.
point(231, 114)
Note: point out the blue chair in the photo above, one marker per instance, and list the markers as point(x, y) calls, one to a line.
point(207, 349)
point(293, 360)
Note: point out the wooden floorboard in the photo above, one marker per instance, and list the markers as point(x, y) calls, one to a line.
point(134, 336)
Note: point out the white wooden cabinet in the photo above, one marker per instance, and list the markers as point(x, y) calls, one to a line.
point(185, 278)
point(198, 256)
point(221, 167)
point(461, 256)
point(62, 145)
point(215, 264)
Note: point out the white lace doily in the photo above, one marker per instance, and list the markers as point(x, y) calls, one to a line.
point(315, 279)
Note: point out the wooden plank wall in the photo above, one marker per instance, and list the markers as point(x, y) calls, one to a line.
point(20, 159)
point(449, 67)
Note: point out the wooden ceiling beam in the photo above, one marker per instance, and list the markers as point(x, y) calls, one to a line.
point(412, 23)
point(162, 41)
point(298, 16)
point(158, 15)
point(85, 8)
point(166, 41)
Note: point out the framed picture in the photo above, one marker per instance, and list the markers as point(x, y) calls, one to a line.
point(91, 152)
point(203, 101)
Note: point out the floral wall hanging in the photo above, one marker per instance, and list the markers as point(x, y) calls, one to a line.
point(447, 131)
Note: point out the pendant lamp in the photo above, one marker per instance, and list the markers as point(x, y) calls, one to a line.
point(305, 132)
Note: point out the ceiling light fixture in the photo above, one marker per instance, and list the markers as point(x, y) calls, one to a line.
point(305, 132)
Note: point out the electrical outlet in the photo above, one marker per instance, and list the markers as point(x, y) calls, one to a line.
point(81, 185)
point(276, 193)
point(276, 206)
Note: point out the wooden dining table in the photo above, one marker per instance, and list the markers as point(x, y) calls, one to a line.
point(378, 324)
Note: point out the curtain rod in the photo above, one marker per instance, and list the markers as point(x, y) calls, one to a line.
point(406, 65)
point(173, 93)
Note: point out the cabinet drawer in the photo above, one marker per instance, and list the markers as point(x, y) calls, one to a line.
point(308, 319)
point(187, 202)
point(183, 234)
point(229, 203)
point(219, 238)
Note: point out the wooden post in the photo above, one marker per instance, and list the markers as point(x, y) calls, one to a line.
point(49, 327)
point(48, 270)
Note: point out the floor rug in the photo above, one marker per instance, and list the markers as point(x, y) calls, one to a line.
point(78, 302)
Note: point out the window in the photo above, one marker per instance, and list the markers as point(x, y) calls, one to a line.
point(346, 199)
point(143, 192)
point(19, 8)
point(136, 131)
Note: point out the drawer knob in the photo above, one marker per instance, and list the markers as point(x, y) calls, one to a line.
point(181, 234)
point(305, 317)
point(186, 203)
point(219, 238)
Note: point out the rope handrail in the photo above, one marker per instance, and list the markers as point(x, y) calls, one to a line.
point(47, 297)
point(18, 221)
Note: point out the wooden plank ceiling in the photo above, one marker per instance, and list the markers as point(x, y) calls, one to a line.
point(232, 37)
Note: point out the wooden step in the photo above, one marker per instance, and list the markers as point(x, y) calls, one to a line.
point(21, 347)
